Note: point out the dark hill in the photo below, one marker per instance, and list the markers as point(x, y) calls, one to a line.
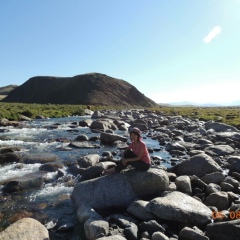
point(86, 89)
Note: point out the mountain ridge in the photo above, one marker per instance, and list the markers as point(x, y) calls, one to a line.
point(86, 89)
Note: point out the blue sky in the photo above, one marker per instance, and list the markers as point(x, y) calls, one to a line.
point(170, 50)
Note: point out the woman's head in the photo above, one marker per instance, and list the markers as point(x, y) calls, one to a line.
point(135, 132)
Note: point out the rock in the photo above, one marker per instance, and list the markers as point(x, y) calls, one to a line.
point(220, 127)
point(115, 237)
point(219, 150)
point(234, 167)
point(219, 200)
point(226, 187)
point(88, 112)
point(28, 181)
point(232, 159)
point(212, 187)
point(88, 160)
point(26, 228)
point(85, 123)
point(186, 209)
point(84, 213)
point(231, 181)
point(96, 114)
point(92, 172)
point(9, 149)
point(39, 158)
point(78, 144)
point(9, 157)
point(216, 177)
point(103, 125)
point(151, 227)
point(192, 233)
point(198, 165)
point(183, 184)
point(94, 228)
point(119, 189)
point(24, 118)
point(137, 209)
point(82, 137)
point(159, 236)
point(131, 232)
point(51, 167)
point(224, 230)
point(111, 138)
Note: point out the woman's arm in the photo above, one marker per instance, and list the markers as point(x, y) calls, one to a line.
point(138, 157)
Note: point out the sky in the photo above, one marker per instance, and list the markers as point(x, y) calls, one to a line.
point(170, 50)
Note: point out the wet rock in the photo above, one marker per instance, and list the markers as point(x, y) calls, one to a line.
point(9, 157)
point(111, 138)
point(186, 209)
point(28, 181)
point(96, 114)
point(224, 230)
point(51, 167)
point(234, 167)
point(198, 165)
point(82, 137)
point(5, 122)
point(103, 124)
point(88, 160)
point(9, 149)
point(25, 228)
point(85, 123)
point(78, 144)
point(39, 158)
point(131, 232)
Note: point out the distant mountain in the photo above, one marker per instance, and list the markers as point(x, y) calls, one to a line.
point(192, 104)
point(86, 89)
point(7, 89)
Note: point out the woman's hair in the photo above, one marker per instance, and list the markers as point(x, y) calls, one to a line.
point(137, 132)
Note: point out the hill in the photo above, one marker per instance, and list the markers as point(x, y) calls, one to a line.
point(4, 91)
point(87, 89)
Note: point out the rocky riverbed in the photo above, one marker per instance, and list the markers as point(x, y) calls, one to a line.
point(190, 192)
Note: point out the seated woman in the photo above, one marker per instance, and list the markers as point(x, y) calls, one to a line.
point(136, 154)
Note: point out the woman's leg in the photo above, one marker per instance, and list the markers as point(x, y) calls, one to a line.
point(140, 165)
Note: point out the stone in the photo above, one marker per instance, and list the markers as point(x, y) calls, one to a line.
point(88, 160)
point(215, 177)
point(137, 209)
point(183, 184)
point(219, 200)
point(220, 150)
point(224, 230)
point(220, 127)
point(198, 165)
point(26, 228)
point(186, 209)
point(111, 138)
point(9, 157)
point(192, 233)
point(151, 227)
point(39, 158)
point(159, 236)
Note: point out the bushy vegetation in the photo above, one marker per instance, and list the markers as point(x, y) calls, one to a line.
point(12, 111)
point(228, 115)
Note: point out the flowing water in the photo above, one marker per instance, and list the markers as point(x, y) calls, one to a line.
point(51, 203)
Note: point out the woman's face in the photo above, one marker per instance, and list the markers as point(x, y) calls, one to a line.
point(134, 137)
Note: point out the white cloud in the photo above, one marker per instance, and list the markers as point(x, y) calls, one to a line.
point(211, 35)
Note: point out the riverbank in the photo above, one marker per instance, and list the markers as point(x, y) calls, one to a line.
point(199, 167)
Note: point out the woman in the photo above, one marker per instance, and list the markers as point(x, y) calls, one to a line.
point(136, 154)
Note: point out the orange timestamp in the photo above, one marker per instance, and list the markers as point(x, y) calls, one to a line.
point(220, 215)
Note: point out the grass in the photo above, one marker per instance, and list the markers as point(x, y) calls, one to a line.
point(12, 111)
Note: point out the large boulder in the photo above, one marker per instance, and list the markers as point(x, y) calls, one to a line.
point(119, 189)
point(198, 165)
point(28, 181)
point(39, 158)
point(220, 127)
point(224, 230)
point(219, 150)
point(180, 207)
point(26, 229)
point(111, 138)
